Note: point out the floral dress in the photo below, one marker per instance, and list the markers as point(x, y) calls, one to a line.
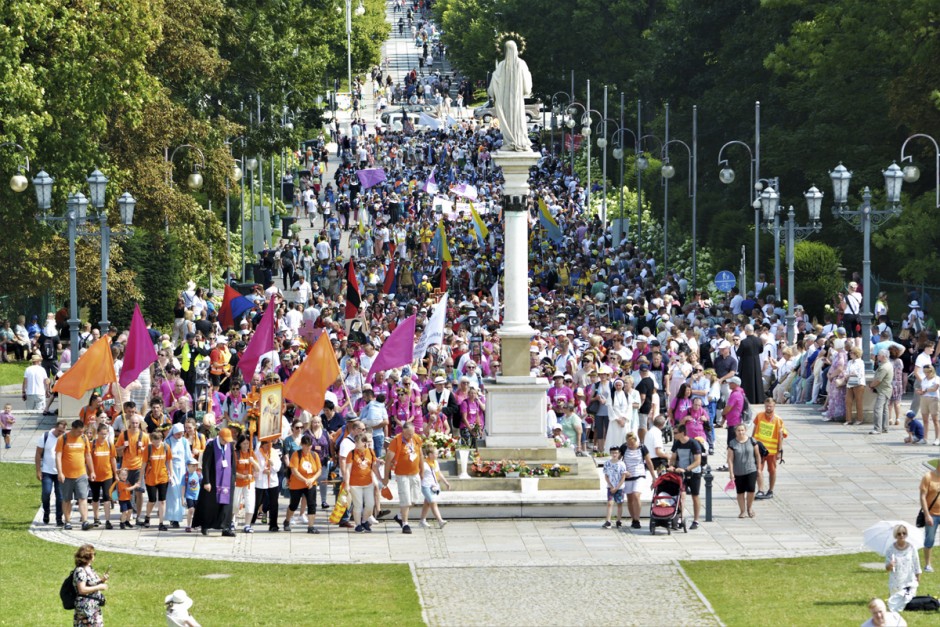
point(897, 384)
point(87, 608)
point(836, 393)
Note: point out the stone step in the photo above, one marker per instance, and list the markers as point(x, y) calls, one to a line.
point(528, 454)
point(514, 484)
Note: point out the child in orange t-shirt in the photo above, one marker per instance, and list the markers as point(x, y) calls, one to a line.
point(245, 467)
point(125, 494)
point(304, 470)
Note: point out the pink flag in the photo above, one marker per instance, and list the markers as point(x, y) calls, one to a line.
point(139, 353)
point(261, 342)
point(397, 349)
point(370, 177)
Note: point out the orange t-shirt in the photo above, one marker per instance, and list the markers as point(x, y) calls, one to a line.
point(88, 415)
point(124, 491)
point(101, 455)
point(407, 455)
point(243, 467)
point(73, 455)
point(199, 445)
point(362, 462)
point(156, 458)
point(133, 454)
point(308, 465)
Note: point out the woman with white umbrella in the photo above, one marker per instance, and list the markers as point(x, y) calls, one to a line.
point(903, 564)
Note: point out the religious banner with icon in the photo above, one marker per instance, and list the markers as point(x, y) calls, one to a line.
point(269, 419)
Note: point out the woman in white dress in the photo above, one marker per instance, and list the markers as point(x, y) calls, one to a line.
point(620, 416)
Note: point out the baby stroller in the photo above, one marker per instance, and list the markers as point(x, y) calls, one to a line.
point(666, 507)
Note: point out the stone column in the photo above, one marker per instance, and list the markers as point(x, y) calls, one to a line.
point(515, 332)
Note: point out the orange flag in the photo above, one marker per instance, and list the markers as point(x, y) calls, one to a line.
point(308, 385)
point(93, 369)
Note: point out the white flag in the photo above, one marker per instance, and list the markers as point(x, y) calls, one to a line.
point(495, 292)
point(433, 334)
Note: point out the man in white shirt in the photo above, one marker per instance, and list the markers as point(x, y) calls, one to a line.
point(922, 360)
point(654, 443)
point(47, 472)
point(35, 384)
point(295, 317)
point(323, 249)
point(302, 290)
point(736, 301)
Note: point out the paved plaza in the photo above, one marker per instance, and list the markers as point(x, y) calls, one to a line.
point(836, 481)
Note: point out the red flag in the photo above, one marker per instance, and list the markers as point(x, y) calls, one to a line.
point(353, 299)
point(233, 306)
point(391, 283)
point(93, 369)
point(308, 385)
point(444, 266)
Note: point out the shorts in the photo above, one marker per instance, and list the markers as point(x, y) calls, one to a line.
point(157, 492)
point(930, 533)
point(409, 490)
point(5, 432)
point(430, 496)
point(600, 426)
point(633, 486)
point(929, 406)
point(615, 496)
point(770, 462)
point(101, 490)
point(745, 483)
point(75, 489)
point(125, 506)
point(693, 483)
point(190, 503)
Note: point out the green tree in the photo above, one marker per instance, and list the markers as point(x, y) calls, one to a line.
point(817, 266)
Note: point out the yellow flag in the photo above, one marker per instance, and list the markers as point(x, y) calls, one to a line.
point(482, 231)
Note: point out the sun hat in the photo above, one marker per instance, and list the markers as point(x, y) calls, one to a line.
point(179, 598)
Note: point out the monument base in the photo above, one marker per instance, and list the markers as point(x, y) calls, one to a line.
point(516, 413)
point(515, 355)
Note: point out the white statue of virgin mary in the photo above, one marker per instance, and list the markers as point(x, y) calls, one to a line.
point(510, 84)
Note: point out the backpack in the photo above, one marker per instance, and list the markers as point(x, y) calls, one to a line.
point(746, 415)
point(67, 593)
point(761, 449)
point(47, 349)
point(923, 603)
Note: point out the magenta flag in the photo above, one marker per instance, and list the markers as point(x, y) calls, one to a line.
point(261, 342)
point(397, 349)
point(370, 177)
point(139, 353)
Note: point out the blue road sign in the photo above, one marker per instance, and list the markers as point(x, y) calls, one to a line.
point(724, 281)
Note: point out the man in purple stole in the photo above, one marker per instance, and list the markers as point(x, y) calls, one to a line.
point(214, 507)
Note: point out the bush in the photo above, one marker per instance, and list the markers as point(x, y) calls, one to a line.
point(817, 266)
point(157, 260)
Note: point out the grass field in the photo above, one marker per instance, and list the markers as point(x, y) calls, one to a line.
point(255, 594)
point(12, 374)
point(831, 590)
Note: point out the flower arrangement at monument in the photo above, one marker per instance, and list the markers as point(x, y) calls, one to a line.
point(503, 468)
point(443, 442)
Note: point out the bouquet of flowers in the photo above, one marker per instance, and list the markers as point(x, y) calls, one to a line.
point(561, 441)
point(443, 442)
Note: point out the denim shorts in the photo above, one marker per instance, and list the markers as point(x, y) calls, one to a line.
point(429, 495)
point(930, 533)
point(616, 497)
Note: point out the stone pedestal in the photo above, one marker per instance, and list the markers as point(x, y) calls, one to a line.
point(516, 414)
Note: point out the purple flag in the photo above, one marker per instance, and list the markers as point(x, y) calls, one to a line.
point(397, 349)
point(465, 190)
point(370, 177)
point(261, 342)
point(139, 353)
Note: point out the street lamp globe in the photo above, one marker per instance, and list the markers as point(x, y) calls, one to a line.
point(237, 173)
point(841, 177)
point(126, 204)
point(77, 204)
point(194, 181)
point(726, 176)
point(602, 142)
point(642, 163)
point(97, 184)
point(289, 126)
point(18, 183)
point(668, 171)
point(43, 186)
point(252, 164)
point(586, 131)
point(756, 204)
point(911, 173)
point(618, 153)
point(813, 202)
point(893, 178)
point(360, 10)
point(770, 201)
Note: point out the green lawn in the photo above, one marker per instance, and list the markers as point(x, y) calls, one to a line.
point(798, 591)
point(255, 594)
point(12, 374)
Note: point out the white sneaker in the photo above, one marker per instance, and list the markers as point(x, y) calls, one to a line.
point(303, 517)
point(442, 523)
point(928, 569)
point(936, 442)
point(373, 521)
point(425, 524)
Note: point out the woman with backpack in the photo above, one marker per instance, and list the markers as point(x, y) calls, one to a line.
point(87, 589)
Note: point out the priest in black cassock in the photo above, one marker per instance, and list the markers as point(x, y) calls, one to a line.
point(749, 371)
point(217, 494)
